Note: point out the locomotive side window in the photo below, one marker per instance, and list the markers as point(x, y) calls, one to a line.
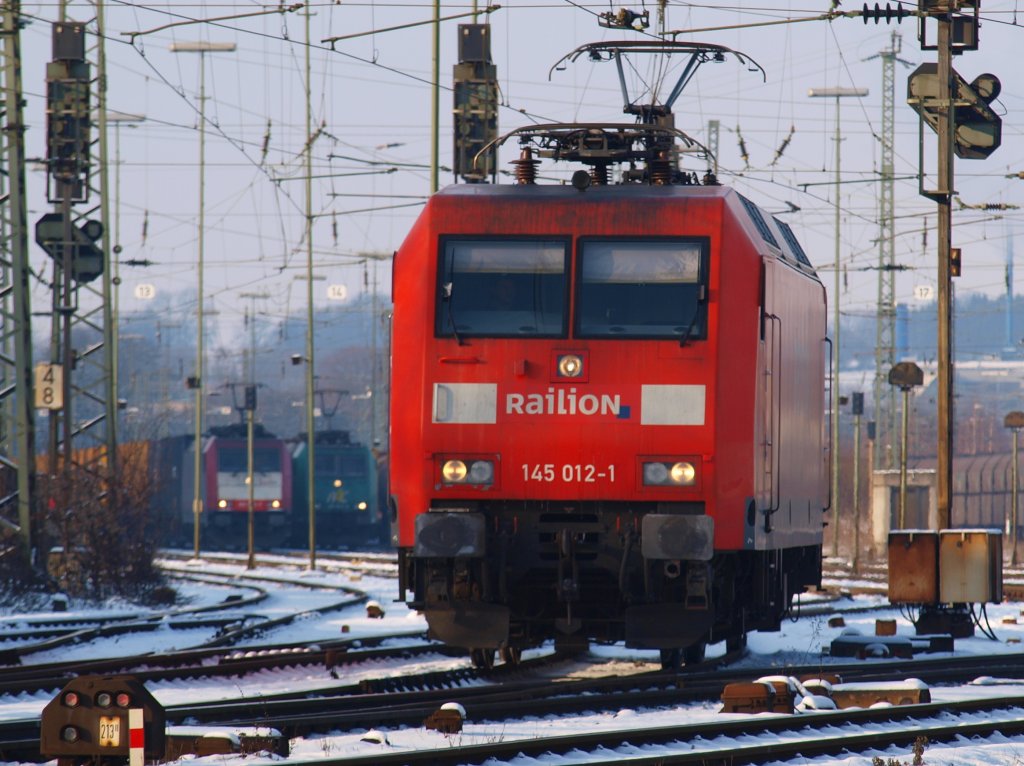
point(502, 288)
point(641, 289)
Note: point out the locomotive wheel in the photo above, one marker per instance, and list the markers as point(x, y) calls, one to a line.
point(736, 643)
point(571, 645)
point(694, 653)
point(482, 658)
point(511, 655)
point(671, 659)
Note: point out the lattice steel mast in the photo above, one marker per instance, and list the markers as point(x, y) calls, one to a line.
point(17, 442)
point(84, 432)
point(885, 408)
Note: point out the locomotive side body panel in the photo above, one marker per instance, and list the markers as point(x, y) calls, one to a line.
point(580, 423)
point(795, 489)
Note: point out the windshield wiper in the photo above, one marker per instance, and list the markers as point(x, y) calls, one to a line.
point(446, 296)
point(693, 320)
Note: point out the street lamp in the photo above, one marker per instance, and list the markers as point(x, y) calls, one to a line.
point(130, 120)
point(298, 359)
point(858, 412)
point(310, 358)
point(836, 93)
point(1014, 421)
point(197, 383)
point(906, 375)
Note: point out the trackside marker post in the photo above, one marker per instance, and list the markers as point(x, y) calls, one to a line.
point(136, 738)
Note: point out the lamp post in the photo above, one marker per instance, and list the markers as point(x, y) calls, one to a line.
point(198, 382)
point(249, 406)
point(906, 375)
point(130, 120)
point(1014, 421)
point(858, 412)
point(310, 358)
point(837, 94)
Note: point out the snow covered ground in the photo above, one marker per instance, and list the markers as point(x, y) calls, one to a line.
point(804, 641)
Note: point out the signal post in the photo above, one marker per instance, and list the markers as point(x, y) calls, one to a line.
point(967, 127)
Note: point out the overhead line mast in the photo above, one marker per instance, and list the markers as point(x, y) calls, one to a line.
point(17, 442)
point(885, 410)
point(83, 423)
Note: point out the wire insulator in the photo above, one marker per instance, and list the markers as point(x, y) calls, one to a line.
point(526, 167)
point(660, 171)
point(599, 175)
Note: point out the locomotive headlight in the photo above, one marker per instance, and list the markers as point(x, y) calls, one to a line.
point(337, 483)
point(655, 473)
point(570, 366)
point(124, 699)
point(683, 473)
point(468, 472)
point(222, 504)
point(454, 471)
point(362, 506)
point(481, 472)
point(103, 699)
point(69, 734)
point(275, 504)
point(71, 699)
point(680, 473)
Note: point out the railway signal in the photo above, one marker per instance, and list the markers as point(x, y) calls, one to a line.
point(86, 256)
point(905, 376)
point(978, 129)
point(100, 718)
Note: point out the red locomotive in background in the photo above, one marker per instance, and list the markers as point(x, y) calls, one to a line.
point(607, 417)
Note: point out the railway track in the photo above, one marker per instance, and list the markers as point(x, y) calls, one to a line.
point(372, 563)
point(510, 692)
point(230, 621)
point(406, 700)
point(502, 696)
point(721, 742)
point(538, 688)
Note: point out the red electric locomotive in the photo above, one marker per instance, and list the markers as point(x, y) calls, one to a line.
point(607, 417)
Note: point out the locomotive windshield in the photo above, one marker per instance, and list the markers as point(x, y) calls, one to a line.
point(343, 465)
point(264, 460)
point(643, 289)
point(504, 287)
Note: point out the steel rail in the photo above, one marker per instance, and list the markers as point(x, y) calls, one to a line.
point(712, 743)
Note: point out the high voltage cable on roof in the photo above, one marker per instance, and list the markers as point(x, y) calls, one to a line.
point(782, 147)
point(744, 155)
point(866, 13)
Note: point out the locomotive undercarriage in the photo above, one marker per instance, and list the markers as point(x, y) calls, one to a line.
point(519, 574)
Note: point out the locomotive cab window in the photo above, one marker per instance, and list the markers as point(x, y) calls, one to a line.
point(502, 288)
point(344, 465)
point(641, 289)
point(264, 460)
